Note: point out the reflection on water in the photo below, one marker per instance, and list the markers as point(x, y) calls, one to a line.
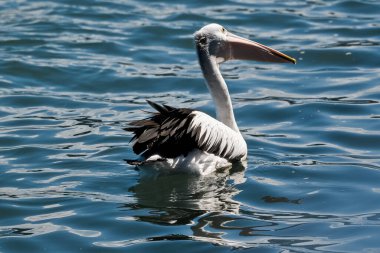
point(30, 230)
point(179, 198)
point(205, 203)
point(208, 205)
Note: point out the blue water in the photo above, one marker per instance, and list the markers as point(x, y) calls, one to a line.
point(74, 73)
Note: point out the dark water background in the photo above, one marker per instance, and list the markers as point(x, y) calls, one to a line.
point(73, 73)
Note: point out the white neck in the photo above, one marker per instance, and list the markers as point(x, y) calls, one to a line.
point(218, 89)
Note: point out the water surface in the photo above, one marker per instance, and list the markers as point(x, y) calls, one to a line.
point(74, 73)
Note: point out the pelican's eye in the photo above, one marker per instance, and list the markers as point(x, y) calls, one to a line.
point(223, 30)
point(203, 40)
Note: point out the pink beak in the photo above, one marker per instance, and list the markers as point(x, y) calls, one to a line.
point(244, 49)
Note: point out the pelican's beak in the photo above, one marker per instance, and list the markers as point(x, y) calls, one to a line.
point(244, 49)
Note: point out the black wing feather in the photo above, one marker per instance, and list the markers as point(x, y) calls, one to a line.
point(164, 133)
point(171, 132)
point(159, 108)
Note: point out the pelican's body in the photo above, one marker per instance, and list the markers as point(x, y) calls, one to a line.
point(179, 139)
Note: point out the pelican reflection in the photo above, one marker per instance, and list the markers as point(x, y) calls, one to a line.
point(180, 198)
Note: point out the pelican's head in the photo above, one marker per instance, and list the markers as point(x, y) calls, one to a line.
point(216, 41)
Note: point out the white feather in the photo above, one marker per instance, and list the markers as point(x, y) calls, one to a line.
point(196, 162)
point(216, 132)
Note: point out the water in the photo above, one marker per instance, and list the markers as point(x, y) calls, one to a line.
point(74, 73)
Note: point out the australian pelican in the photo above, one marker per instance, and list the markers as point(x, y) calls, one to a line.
point(181, 139)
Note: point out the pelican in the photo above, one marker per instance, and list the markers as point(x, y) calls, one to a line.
point(186, 140)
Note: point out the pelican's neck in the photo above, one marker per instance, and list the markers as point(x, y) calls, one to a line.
point(218, 89)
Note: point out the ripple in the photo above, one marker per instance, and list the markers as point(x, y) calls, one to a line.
point(61, 191)
point(49, 216)
point(353, 43)
point(32, 230)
